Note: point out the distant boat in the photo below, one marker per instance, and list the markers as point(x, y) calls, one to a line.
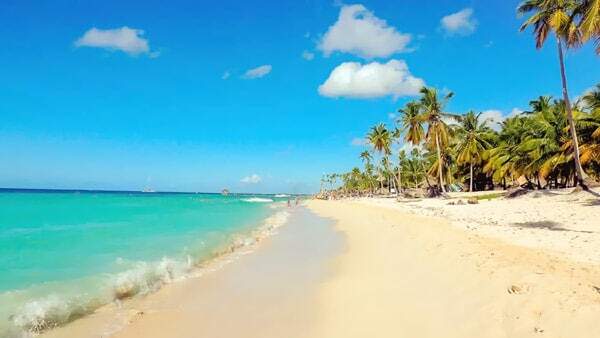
point(148, 190)
point(224, 192)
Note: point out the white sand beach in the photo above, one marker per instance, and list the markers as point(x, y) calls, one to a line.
point(523, 267)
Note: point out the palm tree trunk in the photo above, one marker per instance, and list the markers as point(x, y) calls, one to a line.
point(439, 156)
point(581, 175)
point(425, 174)
point(471, 180)
point(399, 179)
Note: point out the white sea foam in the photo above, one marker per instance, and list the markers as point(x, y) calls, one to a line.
point(143, 277)
point(257, 200)
point(282, 195)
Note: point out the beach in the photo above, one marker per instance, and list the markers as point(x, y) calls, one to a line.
point(386, 268)
point(267, 290)
point(409, 275)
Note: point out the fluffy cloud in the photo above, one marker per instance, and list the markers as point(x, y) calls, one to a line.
point(461, 23)
point(252, 179)
point(493, 118)
point(358, 31)
point(514, 112)
point(306, 55)
point(355, 80)
point(258, 72)
point(125, 39)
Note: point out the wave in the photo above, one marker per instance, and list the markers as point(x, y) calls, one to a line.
point(281, 195)
point(257, 200)
point(53, 310)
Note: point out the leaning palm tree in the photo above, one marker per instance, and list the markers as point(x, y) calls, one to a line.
point(432, 113)
point(556, 16)
point(472, 142)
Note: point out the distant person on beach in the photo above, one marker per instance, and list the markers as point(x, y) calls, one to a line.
point(296, 201)
point(289, 203)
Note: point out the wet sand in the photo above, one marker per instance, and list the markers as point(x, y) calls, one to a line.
point(266, 293)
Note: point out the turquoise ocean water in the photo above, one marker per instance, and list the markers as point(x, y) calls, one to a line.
point(64, 254)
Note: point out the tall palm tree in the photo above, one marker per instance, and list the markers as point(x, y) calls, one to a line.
point(472, 141)
point(556, 16)
point(432, 112)
point(366, 157)
point(380, 139)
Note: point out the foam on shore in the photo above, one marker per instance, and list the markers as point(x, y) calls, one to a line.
point(52, 310)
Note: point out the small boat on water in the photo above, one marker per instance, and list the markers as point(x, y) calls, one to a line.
point(225, 192)
point(148, 190)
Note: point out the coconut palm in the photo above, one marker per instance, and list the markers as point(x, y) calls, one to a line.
point(588, 12)
point(555, 16)
point(380, 139)
point(432, 113)
point(473, 136)
point(366, 157)
point(590, 127)
point(412, 123)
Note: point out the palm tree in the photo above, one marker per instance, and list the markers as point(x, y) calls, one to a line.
point(366, 157)
point(380, 139)
point(590, 127)
point(412, 123)
point(432, 112)
point(556, 16)
point(472, 142)
point(589, 24)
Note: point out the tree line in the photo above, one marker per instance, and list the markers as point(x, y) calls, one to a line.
point(556, 143)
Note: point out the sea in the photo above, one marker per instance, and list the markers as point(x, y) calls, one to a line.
point(64, 254)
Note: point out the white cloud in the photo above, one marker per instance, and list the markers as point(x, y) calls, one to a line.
point(459, 23)
point(258, 72)
point(493, 118)
point(226, 75)
point(514, 112)
point(125, 39)
point(252, 179)
point(354, 80)
point(306, 55)
point(358, 31)
point(359, 142)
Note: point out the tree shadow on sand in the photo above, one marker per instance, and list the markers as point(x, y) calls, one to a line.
point(547, 225)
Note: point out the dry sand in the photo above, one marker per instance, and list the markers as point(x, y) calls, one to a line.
point(406, 275)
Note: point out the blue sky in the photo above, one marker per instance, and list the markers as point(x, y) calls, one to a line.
point(252, 96)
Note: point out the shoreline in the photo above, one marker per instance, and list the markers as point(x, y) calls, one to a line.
point(54, 312)
point(425, 268)
point(200, 300)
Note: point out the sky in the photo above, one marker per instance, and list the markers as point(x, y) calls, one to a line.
point(254, 96)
